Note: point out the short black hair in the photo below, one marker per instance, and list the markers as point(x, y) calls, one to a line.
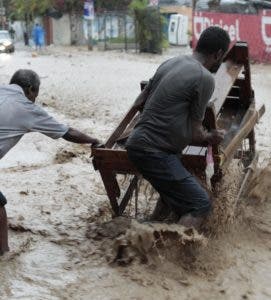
point(25, 79)
point(212, 40)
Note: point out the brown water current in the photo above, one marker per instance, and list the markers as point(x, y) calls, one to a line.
point(64, 244)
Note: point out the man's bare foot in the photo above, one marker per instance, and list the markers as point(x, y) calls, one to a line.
point(190, 221)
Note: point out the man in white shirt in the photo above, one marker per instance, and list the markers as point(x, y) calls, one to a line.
point(19, 115)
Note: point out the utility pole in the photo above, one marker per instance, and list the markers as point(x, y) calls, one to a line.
point(89, 17)
point(90, 45)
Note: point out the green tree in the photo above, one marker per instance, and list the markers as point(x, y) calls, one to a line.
point(112, 5)
point(69, 5)
point(30, 7)
point(149, 26)
point(100, 5)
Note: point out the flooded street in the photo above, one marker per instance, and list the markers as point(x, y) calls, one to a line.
point(54, 195)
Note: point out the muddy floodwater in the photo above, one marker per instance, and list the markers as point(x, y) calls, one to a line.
point(63, 242)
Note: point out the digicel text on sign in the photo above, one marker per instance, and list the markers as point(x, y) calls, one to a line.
point(202, 22)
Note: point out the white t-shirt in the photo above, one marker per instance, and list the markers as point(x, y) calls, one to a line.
point(19, 115)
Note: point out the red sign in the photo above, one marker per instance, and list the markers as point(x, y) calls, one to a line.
point(253, 29)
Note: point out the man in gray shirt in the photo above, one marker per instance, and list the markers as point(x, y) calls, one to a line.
point(19, 115)
point(177, 98)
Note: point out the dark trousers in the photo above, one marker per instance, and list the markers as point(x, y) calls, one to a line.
point(3, 200)
point(176, 186)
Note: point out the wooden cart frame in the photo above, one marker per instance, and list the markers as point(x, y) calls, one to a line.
point(232, 107)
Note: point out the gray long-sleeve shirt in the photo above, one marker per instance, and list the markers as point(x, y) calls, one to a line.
point(18, 115)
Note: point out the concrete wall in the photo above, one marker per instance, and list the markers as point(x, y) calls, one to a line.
point(62, 31)
point(77, 30)
point(68, 30)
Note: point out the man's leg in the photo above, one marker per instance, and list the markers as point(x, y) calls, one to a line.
point(161, 211)
point(187, 198)
point(3, 226)
point(178, 189)
point(148, 164)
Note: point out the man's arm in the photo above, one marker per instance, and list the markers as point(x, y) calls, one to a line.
point(200, 135)
point(35, 119)
point(75, 136)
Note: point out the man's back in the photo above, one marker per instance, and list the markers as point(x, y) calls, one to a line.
point(179, 93)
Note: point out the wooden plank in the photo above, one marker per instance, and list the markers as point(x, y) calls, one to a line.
point(129, 128)
point(128, 195)
point(110, 154)
point(122, 126)
point(117, 167)
point(185, 150)
point(114, 160)
point(194, 150)
point(235, 91)
point(224, 79)
point(112, 189)
point(238, 53)
point(143, 84)
point(242, 133)
point(194, 163)
point(249, 172)
point(203, 151)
